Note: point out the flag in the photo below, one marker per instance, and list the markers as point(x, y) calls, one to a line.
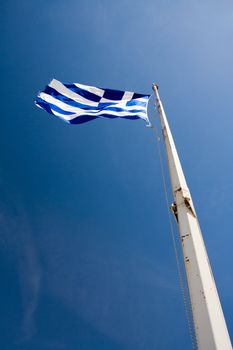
point(78, 103)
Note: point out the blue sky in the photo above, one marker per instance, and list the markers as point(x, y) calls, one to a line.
point(86, 258)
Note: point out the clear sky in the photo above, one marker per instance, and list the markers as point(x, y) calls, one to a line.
point(86, 258)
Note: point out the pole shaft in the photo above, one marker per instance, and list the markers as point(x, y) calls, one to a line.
point(209, 322)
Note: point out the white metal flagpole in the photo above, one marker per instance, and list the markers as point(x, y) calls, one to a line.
point(209, 323)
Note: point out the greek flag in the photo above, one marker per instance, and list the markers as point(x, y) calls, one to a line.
point(77, 103)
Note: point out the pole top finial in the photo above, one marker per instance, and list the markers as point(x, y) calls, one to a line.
point(155, 86)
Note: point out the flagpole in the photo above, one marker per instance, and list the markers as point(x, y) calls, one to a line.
point(209, 322)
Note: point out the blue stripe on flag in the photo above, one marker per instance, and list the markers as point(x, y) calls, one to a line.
point(85, 118)
point(82, 119)
point(118, 109)
point(113, 94)
point(135, 95)
point(84, 93)
point(54, 93)
point(49, 106)
point(137, 103)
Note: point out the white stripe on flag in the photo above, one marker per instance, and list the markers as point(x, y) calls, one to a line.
point(55, 84)
point(92, 89)
point(99, 113)
point(72, 109)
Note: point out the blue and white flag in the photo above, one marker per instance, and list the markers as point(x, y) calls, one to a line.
point(77, 103)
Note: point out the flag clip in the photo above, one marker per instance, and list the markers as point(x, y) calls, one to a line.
point(149, 125)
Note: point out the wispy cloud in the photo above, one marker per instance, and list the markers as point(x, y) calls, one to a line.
point(30, 280)
point(17, 241)
point(120, 294)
